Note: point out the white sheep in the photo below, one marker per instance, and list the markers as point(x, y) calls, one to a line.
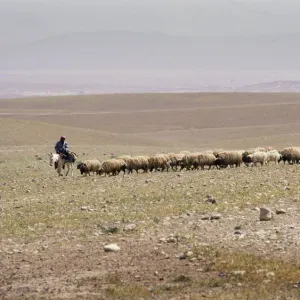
point(273, 155)
point(258, 157)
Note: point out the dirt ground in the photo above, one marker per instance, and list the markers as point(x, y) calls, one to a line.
point(174, 244)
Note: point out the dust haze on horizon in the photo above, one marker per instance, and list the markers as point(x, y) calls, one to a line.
point(22, 21)
point(158, 44)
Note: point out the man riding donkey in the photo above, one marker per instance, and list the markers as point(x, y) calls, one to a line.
point(62, 148)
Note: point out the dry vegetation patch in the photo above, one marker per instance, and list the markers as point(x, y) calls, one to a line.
point(182, 235)
point(57, 227)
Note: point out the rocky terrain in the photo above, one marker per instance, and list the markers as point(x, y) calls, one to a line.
point(173, 231)
point(209, 234)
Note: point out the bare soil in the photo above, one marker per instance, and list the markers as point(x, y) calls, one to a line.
point(53, 230)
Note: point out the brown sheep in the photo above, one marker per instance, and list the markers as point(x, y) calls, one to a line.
point(138, 163)
point(159, 161)
point(113, 166)
point(88, 166)
point(290, 154)
point(229, 158)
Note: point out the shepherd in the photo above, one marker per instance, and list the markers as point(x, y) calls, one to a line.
point(62, 148)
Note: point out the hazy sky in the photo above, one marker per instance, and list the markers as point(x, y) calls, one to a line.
point(37, 34)
point(28, 20)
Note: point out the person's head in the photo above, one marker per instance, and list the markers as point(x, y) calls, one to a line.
point(62, 138)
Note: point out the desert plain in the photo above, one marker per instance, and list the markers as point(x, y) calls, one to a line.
point(174, 244)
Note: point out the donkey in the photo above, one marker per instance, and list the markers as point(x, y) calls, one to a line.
point(61, 162)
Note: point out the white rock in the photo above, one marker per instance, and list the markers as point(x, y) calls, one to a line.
point(85, 208)
point(171, 239)
point(130, 227)
point(265, 214)
point(148, 180)
point(273, 237)
point(112, 248)
point(239, 273)
point(261, 271)
point(270, 274)
point(162, 240)
point(215, 216)
point(189, 254)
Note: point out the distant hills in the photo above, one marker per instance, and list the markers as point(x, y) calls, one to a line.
point(19, 90)
point(274, 86)
point(103, 50)
point(126, 61)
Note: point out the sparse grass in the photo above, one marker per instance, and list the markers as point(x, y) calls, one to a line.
point(34, 198)
point(237, 275)
point(127, 292)
point(247, 276)
point(37, 207)
point(182, 278)
point(51, 245)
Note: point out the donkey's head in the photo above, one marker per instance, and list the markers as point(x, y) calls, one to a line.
point(53, 158)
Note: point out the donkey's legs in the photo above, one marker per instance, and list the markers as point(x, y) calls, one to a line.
point(59, 167)
point(59, 171)
point(68, 168)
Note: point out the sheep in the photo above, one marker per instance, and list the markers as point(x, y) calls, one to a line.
point(206, 158)
point(189, 160)
point(125, 157)
point(245, 157)
point(165, 155)
point(219, 153)
point(290, 154)
point(264, 149)
point(175, 160)
point(88, 166)
point(258, 157)
point(159, 161)
point(138, 162)
point(229, 158)
point(184, 152)
point(113, 166)
point(81, 167)
point(240, 151)
point(259, 149)
point(273, 155)
point(216, 153)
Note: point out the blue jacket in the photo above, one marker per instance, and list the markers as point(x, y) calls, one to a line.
point(61, 147)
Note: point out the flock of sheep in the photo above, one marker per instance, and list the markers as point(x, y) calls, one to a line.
point(190, 161)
